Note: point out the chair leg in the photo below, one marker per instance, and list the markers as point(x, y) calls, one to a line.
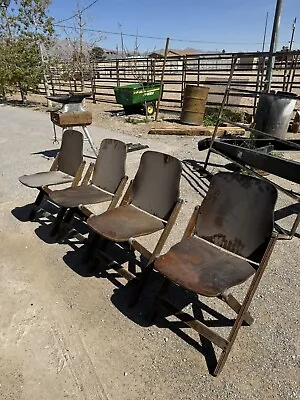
point(140, 285)
point(295, 226)
point(69, 215)
point(132, 263)
point(37, 202)
point(234, 331)
point(93, 260)
point(162, 290)
point(58, 221)
point(63, 230)
point(236, 306)
point(89, 247)
point(225, 353)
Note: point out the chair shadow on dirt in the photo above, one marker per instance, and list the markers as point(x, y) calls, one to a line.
point(198, 178)
point(45, 217)
point(282, 213)
point(20, 103)
point(124, 290)
point(165, 319)
point(139, 314)
point(51, 153)
point(22, 213)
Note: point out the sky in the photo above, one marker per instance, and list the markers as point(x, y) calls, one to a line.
point(233, 25)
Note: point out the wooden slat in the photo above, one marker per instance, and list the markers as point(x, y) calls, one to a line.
point(196, 131)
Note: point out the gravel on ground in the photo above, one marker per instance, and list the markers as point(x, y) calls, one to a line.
point(65, 334)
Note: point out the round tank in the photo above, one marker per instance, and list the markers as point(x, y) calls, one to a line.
point(274, 113)
point(194, 103)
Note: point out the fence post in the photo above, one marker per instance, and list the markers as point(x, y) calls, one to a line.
point(198, 77)
point(118, 73)
point(153, 70)
point(52, 85)
point(162, 77)
point(183, 79)
point(93, 82)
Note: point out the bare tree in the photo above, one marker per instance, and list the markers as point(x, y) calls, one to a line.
point(79, 64)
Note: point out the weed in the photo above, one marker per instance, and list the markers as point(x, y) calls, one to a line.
point(211, 116)
point(135, 121)
point(277, 154)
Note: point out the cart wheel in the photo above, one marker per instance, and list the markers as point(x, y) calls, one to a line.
point(150, 108)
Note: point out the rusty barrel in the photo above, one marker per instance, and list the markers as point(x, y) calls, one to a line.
point(194, 103)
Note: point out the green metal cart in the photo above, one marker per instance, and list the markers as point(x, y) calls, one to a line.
point(138, 97)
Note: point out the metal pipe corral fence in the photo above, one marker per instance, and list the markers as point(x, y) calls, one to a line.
point(211, 70)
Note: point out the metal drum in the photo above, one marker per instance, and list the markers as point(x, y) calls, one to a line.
point(274, 113)
point(194, 103)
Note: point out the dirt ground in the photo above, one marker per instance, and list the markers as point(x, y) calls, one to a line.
point(110, 116)
point(67, 334)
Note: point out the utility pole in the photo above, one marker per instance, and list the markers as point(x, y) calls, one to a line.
point(265, 32)
point(293, 34)
point(81, 50)
point(273, 45)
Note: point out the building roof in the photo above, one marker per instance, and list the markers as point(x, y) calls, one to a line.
point(173, 53)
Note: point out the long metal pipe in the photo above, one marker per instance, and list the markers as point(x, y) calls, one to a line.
point(273, 44)
point(293, 34)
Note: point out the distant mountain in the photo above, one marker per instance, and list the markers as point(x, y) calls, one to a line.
point(187, 50)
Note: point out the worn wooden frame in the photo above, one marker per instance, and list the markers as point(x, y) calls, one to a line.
point(45, 190)
point(135, 245)
point(65, 214)
point(241, 309)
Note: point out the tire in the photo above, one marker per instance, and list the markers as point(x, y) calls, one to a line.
point(150, 108)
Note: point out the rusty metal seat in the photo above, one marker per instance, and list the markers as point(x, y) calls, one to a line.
point(125, 222)
point(45, 179)
point(228, 240)
point(107, 183)
point(85, 194)
point(66, 168)
point(203, 268)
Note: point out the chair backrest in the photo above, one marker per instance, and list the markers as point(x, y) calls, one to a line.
point(238, 213)
point(71, 152)
point(110, 165)
point(155, 188)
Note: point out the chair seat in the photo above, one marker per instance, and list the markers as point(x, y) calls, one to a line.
point(73, 197)
point(203, 268)
point(123, 223)
point(45, 179)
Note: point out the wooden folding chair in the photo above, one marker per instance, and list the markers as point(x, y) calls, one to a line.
point(107, 183)
point(227, 240)
point(67, 167)
point(150, 204)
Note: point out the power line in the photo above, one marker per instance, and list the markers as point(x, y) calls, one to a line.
point(156, 37)
point(78, 12)
point(148, 37)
